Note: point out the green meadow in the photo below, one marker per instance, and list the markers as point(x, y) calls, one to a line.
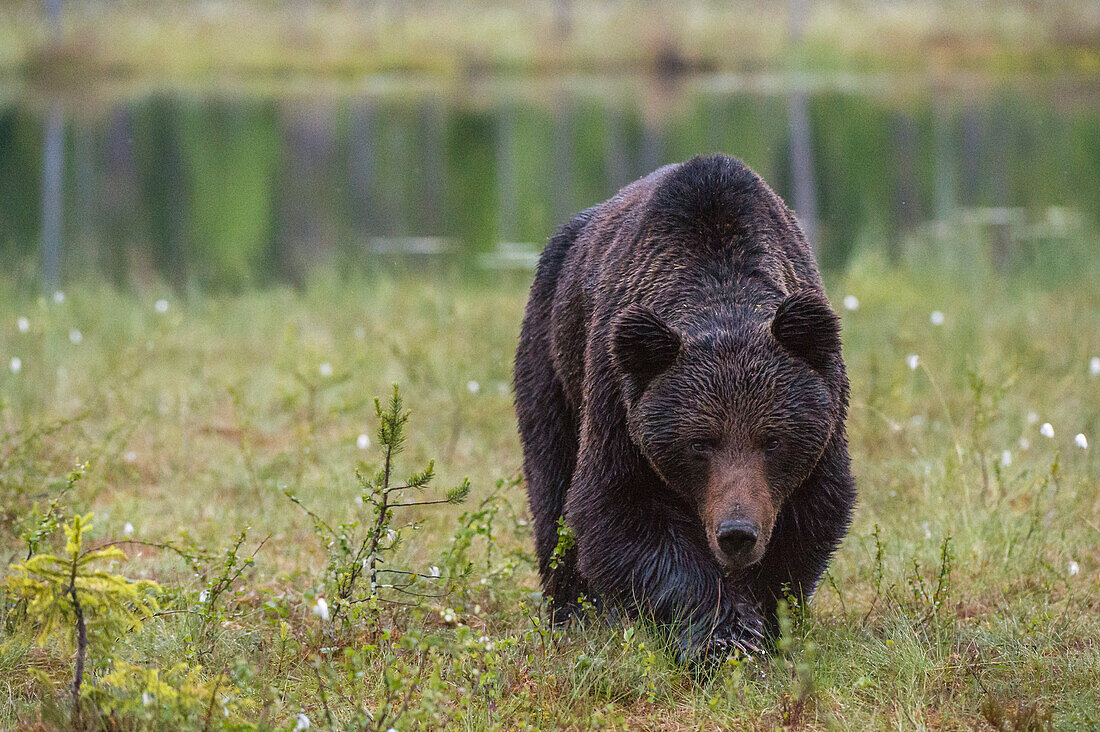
point(228, 449)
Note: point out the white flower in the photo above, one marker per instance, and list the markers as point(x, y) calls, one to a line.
point(161, 306)
point(320, 609)
point(16, 364)
point(433, 571)
point(24, 325)
point(325, 369)
point(1094, 365)
point(1032, 418)
point(913, 360)
point(303, 722)
point(1047, 430)
point(936, 317)
point(1006, 458)
point(851, 302)
point(1073, 569)
point(59, 297)
point(129, 456)
point(128, 529)
point(202, 596)
point(362, 441)
point(360, 333)
point(927, 530)
point(473, 387)
point(76, 336)
point(1081, 441)
point(146, 698)
point(1025, 444)
point(391, 535)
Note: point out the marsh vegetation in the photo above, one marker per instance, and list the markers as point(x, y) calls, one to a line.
point(967, 590)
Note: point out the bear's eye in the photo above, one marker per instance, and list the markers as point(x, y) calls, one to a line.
point(771, 444)
point(701, 448)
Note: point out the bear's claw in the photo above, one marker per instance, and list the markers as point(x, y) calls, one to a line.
point(742, 635)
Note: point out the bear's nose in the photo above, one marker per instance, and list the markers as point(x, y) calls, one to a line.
point(737, 537)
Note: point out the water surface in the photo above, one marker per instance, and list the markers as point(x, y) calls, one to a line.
point(225, 189)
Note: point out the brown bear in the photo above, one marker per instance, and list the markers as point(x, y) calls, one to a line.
point(681, 399)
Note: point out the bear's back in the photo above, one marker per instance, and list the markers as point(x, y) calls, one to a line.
point(690, 240)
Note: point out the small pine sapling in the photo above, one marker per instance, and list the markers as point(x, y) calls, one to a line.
point(356, 555)
point(68, 592)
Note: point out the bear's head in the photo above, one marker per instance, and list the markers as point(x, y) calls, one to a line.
point(735, 417)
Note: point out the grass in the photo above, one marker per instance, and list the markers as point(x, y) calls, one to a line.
point(953, 603)
point(255, 40)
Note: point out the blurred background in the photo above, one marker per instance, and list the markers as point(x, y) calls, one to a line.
point(220, 146)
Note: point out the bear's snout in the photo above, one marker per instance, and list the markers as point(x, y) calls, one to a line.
point(738, 542)
point(737, 538)
point(738, 511)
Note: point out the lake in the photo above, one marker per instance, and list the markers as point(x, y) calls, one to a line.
point(227, 188)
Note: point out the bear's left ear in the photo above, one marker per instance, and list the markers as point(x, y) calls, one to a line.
point(807, 327)
point(643, 347)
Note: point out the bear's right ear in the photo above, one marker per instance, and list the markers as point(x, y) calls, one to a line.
point(808, 328)
point(643, 347)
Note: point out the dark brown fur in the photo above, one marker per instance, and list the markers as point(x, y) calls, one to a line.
point(679, 373)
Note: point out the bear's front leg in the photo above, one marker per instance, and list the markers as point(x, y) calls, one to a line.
point(741, 633)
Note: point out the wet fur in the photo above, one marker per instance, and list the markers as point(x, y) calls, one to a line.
point(704, 253)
